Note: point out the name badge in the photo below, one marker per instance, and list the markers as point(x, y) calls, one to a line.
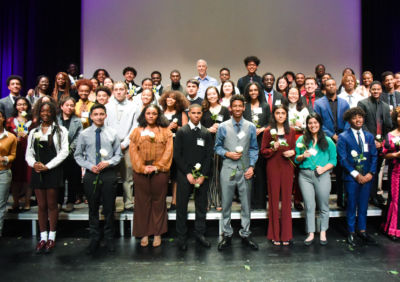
point(85, 114)
point(258, 110)
point(313, 152)
point(277, 102)
point(241, 134)
point(200, 142)
point(366, 148)
point(220, 118)
point(168, 116)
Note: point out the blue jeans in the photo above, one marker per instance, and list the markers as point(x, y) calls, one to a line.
point(5, 182)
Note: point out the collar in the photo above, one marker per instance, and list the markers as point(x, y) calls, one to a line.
point(312, 95)
point(235, 122)
point(3, 134)
point(192, 126)
point(272, 92)
point(94, 127)
point(195, 98)
point(204, 79)
point(355, 131)
point(124, 102)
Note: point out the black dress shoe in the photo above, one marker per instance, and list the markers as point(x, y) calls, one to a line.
point(380, 199)
point(248, 241)
point(203, 241)
point(225, 243)
point(376, 202)
point(110, 245)
point(92, 248)
point(350, 240)
point(367, 239)
point(172, 207)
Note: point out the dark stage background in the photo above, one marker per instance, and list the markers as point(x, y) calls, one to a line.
point(43, 37)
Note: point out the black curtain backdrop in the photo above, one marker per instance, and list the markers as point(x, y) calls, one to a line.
point(38, 37)
point(380, 36)
point(43, 37)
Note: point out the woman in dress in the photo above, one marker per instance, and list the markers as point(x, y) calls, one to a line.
point(297, 119)
point(278, 148)
point(83, 106)
point(151, 156)
point(46, 150)
point(227, 90)
point(174, 104)
point(391, 150)
point(42, 89)
point(257, 111)
point(316, 156)
point(20, 124)
point(72, 171)
point(214, 114)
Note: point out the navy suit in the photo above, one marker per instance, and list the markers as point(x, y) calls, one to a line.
point(321, 107)
point(357, 194)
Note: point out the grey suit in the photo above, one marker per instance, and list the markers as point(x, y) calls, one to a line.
point(75, 128)
point(7, 106)
point(385, 98)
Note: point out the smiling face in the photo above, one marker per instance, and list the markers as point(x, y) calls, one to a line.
point(212, 96)
point(108, 83)
point(357, 121)
point(43, 84)
point(156, 78)
point(68, 107)
point(151, 116)
point(15, 87)
point(102, 97)
point(293, 95)
point(268, 81)
point(367, 79)
point(224, 75)
point(83, 92)
point(253, 92)
point(227, 88)
point(376, 91)
point(21, 105)
point(237, 109)
point(129, 76)
point(201, 68)
point(95, 83)
point(313, 125)
point(388, 82)
point(147, 84)
point(299, 79)
point(45, 113)
point(282, 84)
point(280, 116)
point(251, 67)
point(101, 75)
point(170, 101)
point(310, 86)
point(98, 117)
point(147, 97)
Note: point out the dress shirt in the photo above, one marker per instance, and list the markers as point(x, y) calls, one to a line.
point(120, 117)
point(85, 153)
point(192, 126)
point(267, 95)
point(62, 151)
point(308, 99)
point(204, 84)
point(253, 146)
point(354, 173)
point(352, 99)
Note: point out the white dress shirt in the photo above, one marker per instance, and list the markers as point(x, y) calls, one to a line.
point(352, 99)
point(354, 173)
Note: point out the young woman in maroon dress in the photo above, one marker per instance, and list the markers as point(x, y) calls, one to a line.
point(277, 147)
point(20, 124)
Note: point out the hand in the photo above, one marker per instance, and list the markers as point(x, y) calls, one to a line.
point(335, 137)
point(249, 173)
point(368, 177)
point(320, 170)
point(31, 92)
point(122, 147)
point(233, 155)
point(148, 169)
point(378, 145)
point(259, 130)
point(200, 180)
point(289, 153)
point(276, 145)
point(102, 165)
point(2, 159)
point(190, 178)
point(95, 170)
point(38, 166)
point(173, 125)
point(360, 179)
point(306, 154)
point(44, 168)
point(299, 123)
point(212, 129)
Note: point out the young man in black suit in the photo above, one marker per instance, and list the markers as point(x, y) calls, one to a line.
point(251, 63)
point(271, 96)
point(390, 96)
point(193, 147)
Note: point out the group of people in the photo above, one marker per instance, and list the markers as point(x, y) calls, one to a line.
point(268, 139)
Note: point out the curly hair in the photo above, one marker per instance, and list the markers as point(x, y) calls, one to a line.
point(38, 105)
point(86, 82)
point(395, 114)
point(344, 78)
point(161, 121)
point(350, 113)
point(247, 92)
point(206, 104)
point(181, 103)
point(53, 113)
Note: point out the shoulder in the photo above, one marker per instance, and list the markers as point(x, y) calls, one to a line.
point(86, 131)
point(368, 135)
point(11, 136)
point(330, 141)
point(300, 139)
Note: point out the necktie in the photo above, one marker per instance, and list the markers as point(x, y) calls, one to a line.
point(15, 98)
point(251, 79)
point(360, 142)
point(391, 100)
point(350, 100)
point(195, 129)
point(237, 127)
point(98, 145)
point(270, 101)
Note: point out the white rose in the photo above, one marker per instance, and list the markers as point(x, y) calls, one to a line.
point(300, 145)
point(239, 149)
point(83, 119)
point(197, 166)
point(37, 135)
point(378, 137)
point(103, 153)
point(151, 134)
point(273, 131)
point(391, 108)
point(354, 153)
point(255, 118)
point(23, 113)
point(175, 120)
point(81, 76)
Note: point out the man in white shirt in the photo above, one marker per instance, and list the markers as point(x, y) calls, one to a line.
point(349, 94)
point(120, 116)
point(204, 80)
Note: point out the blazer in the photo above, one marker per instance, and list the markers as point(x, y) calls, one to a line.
point(321, 107)
point(369, 107)
point(243, 81)
point(385, 97)
point(277, 96)
point(347, 143)
point(263, 118)
point(75, 128)
point(7, 106)
point(309, 107)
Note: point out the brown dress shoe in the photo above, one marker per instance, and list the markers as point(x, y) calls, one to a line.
point(50, 246)
point(40, 246)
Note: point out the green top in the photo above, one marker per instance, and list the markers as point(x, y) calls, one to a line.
point(322, 158)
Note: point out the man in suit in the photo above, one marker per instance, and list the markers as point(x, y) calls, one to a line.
point(156, 78)
point(310, 85)
point(390, 96)
point(377, 121)
point(353, 144)
point(331, 108)
point(271, 96)
point(197, 140)
point(14, 84)
point(251, 63)
point(130, 74)
point(236, 143)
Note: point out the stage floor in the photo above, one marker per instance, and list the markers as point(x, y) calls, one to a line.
point(68, 262)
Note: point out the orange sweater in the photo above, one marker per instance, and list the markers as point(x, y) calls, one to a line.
point(143, 148)
point(8, 148)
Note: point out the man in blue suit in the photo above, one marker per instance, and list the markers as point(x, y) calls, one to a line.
point(331, 108)
point(358, 156)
